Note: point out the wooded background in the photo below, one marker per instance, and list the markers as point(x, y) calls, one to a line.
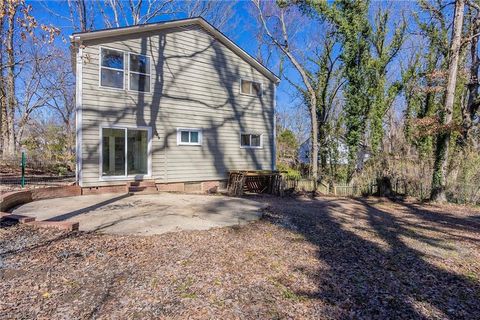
point(374, 91)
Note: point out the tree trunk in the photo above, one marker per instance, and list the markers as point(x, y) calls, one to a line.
point(284, 47)
point(314, 138)
point(9, 133)
point(473, 102)
point(3, 98)
point(443, 138)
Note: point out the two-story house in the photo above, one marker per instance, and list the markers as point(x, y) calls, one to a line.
point(175, 102)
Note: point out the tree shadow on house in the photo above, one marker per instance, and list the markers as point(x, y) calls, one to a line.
point(199, 78)
point(377, 264)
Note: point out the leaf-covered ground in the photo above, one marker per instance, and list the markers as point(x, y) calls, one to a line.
point(308, 258)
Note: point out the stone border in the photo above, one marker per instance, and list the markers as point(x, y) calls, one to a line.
point(12, 199)
point(15, 198)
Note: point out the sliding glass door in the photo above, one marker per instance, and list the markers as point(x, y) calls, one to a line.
point(124, 152)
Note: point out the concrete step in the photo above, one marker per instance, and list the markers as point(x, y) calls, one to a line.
point(62, 225)
point(142, 190)
point(17, 217)
point(142, 183)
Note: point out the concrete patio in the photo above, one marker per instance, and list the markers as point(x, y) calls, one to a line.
point(146, 214)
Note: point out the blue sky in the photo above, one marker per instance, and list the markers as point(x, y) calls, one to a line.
point(242, 32)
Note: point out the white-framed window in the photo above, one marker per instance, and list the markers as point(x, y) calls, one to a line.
point(189, 136)
point(139, 78)
point(111, 68)
point(250, 88)
point(125, 152)
point(251, 140)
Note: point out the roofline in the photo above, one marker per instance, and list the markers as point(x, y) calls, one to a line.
point(81, 36)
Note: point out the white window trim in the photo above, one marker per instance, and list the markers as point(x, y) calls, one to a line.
point(100, 48)
point(251, 147)
point(149, 154)
point(250, 94)
point(126, 70)
point(128, 73)
point(179, 137)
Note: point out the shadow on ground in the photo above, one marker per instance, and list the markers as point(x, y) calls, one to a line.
point(379, 261)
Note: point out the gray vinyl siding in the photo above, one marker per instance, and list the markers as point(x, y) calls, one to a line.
point(195, 84)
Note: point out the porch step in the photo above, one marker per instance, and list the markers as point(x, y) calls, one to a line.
point(142, 183)
point(16, 217)
point(142, 190)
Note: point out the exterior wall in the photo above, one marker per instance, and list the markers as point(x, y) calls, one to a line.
point(195, 84)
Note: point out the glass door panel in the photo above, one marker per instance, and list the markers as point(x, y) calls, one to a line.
point(113, 152)
point(137, 152)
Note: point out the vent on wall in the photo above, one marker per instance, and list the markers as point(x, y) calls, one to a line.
point(193, 186)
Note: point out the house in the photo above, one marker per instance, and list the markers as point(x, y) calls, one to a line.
point(174, 102)
point(341, 153)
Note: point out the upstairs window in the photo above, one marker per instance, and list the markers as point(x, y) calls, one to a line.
point(111, 68)
point(139, 67)
point(248, 140)
point(189, 136)
point(250, 87)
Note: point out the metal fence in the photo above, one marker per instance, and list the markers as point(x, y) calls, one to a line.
point(12, 183)
point(308, 185)
point(457, 193)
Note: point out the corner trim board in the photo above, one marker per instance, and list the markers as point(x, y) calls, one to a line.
point(78, 115)
point(274, 153)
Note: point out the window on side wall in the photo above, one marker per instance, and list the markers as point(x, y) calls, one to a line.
point(251, 88)
point(250, 140)
point(111, 68)
point(139, 67)
point(189, 136)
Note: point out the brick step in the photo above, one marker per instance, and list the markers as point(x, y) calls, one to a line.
point(143, 183)
point(17, 217)
point(62, 225)
point(142, 190)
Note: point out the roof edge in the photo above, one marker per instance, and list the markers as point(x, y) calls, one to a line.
point(81, 36)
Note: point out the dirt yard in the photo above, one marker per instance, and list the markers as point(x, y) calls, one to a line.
point(307, 258)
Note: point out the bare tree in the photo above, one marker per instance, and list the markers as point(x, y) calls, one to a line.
point(472, 107)
point(443, 139)
point(117, 13)
point(218, 13)
point(19, 27)
point(8, 132)
point(281, 40)
point(3, 93)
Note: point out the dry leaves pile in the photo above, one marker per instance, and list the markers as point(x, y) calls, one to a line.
point(320, 258)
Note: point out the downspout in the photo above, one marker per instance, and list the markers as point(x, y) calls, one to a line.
point(78, 109)
point(274, 155)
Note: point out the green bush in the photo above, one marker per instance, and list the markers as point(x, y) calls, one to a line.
point(289, 173)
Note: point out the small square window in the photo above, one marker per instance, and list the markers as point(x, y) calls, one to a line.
point(250, 87)
point(248, 140)
point(189, 136)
